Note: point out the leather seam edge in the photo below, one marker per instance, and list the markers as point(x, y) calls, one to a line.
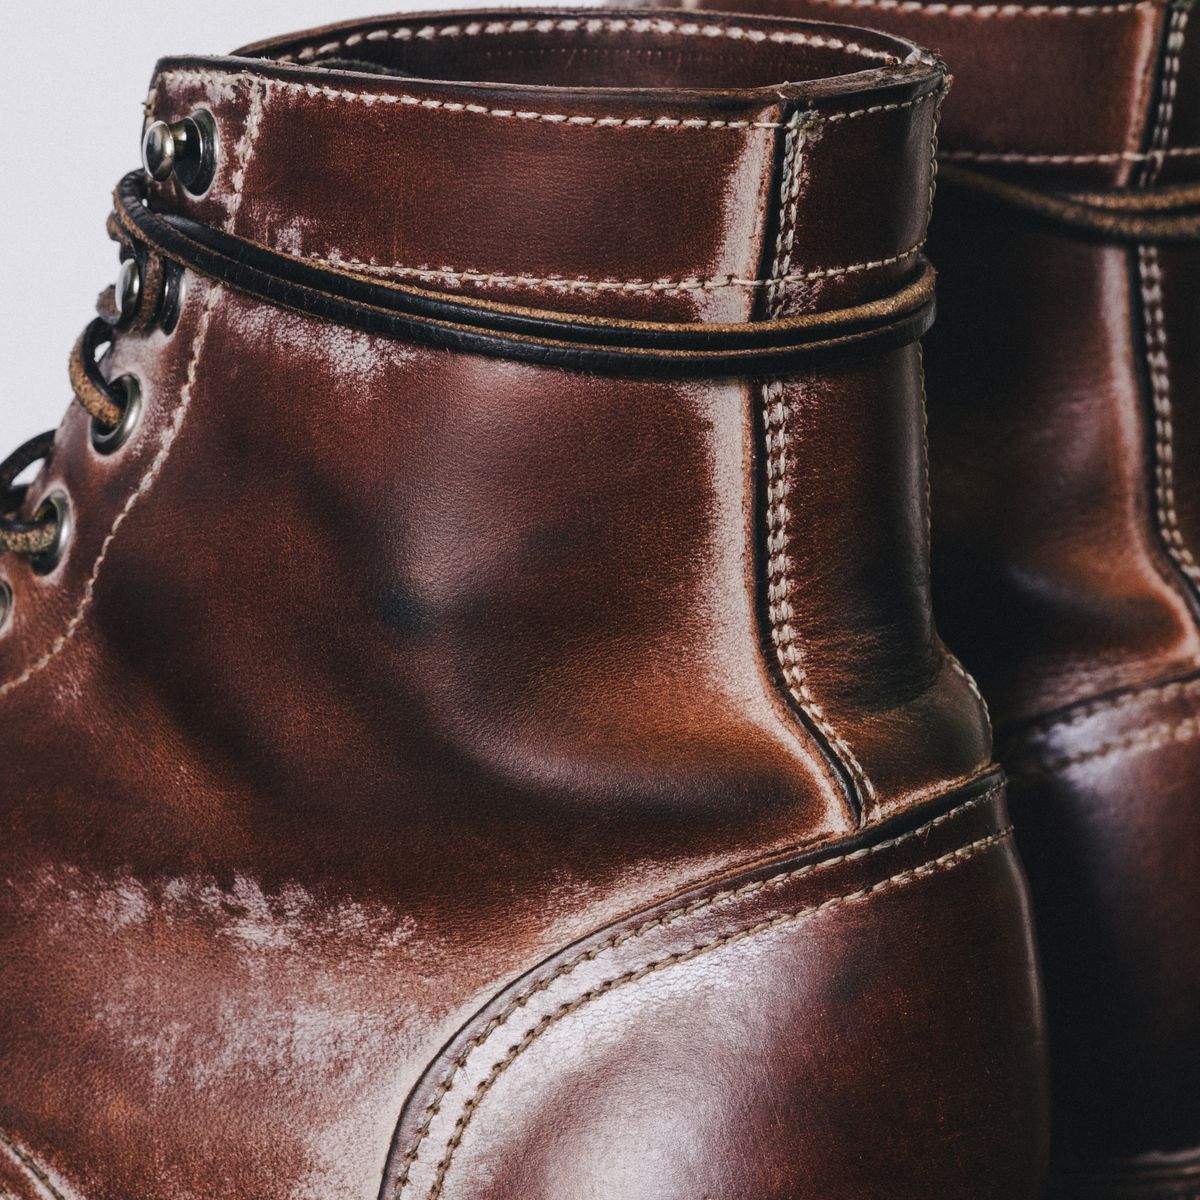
point(567, 120)
point(946, 862)
point(668, 918)
point(34, 1169)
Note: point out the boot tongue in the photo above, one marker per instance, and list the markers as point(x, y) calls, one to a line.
point(606, 163)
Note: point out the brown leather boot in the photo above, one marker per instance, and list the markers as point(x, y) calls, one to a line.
point(1064, 377)
point(472, 720)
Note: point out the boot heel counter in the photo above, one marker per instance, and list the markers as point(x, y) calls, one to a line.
point(792, 1033)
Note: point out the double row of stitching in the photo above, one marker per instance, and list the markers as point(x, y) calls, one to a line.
point(567, 120)
point(1033, 767)
point(1168, 86)
point(587, 25)
point(779, 607)
point(1154, 693)
point(1154, 321)
point(661, 922)
point(945, 862)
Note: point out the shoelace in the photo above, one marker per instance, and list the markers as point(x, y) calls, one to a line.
point(104, 400)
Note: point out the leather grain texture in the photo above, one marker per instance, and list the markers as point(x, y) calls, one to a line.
point(382, 678)
point(1065, 431)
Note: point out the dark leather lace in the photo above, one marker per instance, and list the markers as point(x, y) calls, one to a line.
point(103, 401)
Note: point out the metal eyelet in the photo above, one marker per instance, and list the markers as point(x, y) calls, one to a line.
point(186, 150)
point(108, 439)
point(172, 298)
point(59, 506)
point(128, 290)
point(6, 605)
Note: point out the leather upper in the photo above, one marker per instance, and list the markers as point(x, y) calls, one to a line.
point(377, 674)
point(1065, 434)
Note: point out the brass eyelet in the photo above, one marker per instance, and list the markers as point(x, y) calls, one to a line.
point(6, 606)
point(58, 506)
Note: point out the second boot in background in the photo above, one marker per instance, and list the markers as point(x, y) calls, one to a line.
point(1064, 382)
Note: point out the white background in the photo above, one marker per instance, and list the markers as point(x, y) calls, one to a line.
point(71, 89)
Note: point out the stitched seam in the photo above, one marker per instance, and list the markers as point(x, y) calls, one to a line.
point(779, 608)
point(661, 922)
point(219, 79)
point(947, 656)
point(1122, 156)
point(1167, 92)
point(1144, 739)
point(32, 1166)
point(147, 482)
point(933, 150)
point(1163, 692)
point(429, 33)
point(970, 681)
point(785, 236)
point(431, 274)
point(1158, 363)
point(995, 10)
point(945, 862)
point(242, 155)
point(870, 111)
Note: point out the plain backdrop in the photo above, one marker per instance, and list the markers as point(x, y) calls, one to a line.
point(75, 75)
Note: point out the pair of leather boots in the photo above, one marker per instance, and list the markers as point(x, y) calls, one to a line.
point(472, 717)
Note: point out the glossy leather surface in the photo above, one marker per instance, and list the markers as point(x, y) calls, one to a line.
point(378, 675)
point(1064, 383)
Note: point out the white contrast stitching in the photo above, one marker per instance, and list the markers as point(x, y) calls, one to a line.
point(667, 918)
point(249, 133)
point(143, 487)
point(1167, 92)
point(946, 862)
point(219, 79)
point(1157, 359)
point(1143, 739)
point(785, 237)
point(1162, 693)
point(653, 25)
point(1158, 363)
point(1121, 156)
point(936, 95)
point(242, 158)
point(971, 683)
point(431, 274)
point(779, 608)
point(996, 10)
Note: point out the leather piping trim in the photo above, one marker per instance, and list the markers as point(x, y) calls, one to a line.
point(1165, 214)
point(528, 334)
